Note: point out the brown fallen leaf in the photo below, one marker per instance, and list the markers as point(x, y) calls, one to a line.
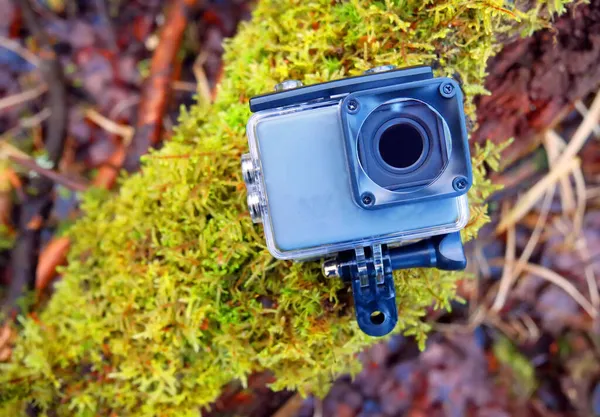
point(35, 223)
point(5, 354)
point(109, 171)
point(52, 256)
point(6, 338)
point(158, 85)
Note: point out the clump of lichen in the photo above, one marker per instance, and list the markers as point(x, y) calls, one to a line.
point(170, 293)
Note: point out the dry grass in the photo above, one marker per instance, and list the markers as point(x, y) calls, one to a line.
point(566, 175)
point(563, 166)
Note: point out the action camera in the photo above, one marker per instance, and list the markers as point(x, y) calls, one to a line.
point(369, 173)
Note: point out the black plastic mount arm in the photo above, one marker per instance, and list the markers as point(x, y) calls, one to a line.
point(369, 271)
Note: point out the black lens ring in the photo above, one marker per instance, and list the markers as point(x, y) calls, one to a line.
point(395, 122)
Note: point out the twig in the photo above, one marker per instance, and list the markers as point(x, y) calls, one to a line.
point(592, 193)
point(554, 144)
point(318, 408)
point(36, 119)
point(22, 97)
point(26, 123)
point(564, 165)
point(12, 153)
point(537, 231)
point(53, 255)
point(583, 131)
point(204, 93)
point(590, 278)
point(291, 407)
point(564, 284)
point(36, 207)
point(484, 267)
point(532, 328)
point(122, 106)
point(584, 111)
point(104, 16)
point(7, 150)
point(511, 271)
point(157, 87)
point(23, 52)
point(581, 202)
point(507, 272)
point(126, 132)
point(185, 86)
point(588, 270)
point(529, 199)
point(50, 174)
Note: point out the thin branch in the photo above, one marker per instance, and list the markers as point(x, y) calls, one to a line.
point(203, 89)
point(185, 86)
point(53, 255)
point(564, 165)
point(564, 284)
point(36, 119)
point(291, 407)
point(20, 50)
point(122, 106)
point(50, 174)
point(590, 278)
point(105, 18)
point(554, 144)
point(506, 280)
point(537, 231)
point(7, 150)
point(157, 86)
point(126, 132)
point(583, 131)
point(532, 328)
point(592, 193)
point(23, 97)
point(38, 203)
point(528, 200)
point(14, 154)
point(588, 270)
point(584, 111)
point(581, 202)
point(26, 123)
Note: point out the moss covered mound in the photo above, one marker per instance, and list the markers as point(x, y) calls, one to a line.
point(170, 292)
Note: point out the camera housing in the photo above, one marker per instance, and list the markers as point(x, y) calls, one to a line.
point(370, 170)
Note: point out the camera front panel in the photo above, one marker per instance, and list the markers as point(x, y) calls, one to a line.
point(306, 195)
point(406, 143)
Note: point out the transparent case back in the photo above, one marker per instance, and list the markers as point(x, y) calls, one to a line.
point(307, 205)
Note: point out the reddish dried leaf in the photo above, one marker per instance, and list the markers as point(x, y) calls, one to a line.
point(157, 87)
point(109, 171)
point(35, 223)
point(52, 256)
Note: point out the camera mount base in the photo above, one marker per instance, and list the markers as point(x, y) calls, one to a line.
point(370, 272)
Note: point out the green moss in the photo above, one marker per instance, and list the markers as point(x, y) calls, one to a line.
point(521, 370)
point(170, 293)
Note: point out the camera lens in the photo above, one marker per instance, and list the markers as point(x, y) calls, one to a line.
point(401, 145)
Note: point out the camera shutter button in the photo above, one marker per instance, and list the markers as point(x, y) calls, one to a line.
point(254, 207)
point(381, 68)
point(288, 85)
point(248, 170)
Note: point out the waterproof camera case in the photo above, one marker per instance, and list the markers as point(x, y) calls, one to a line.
point(369, 171)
